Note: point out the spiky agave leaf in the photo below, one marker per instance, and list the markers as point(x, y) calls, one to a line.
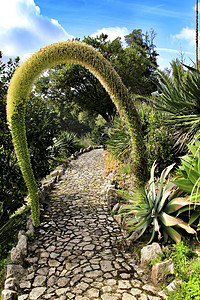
point(155, 213)
point(174, 234)
point(195, 215)
point(168, 220)
point(163, 200)
point(177, 204)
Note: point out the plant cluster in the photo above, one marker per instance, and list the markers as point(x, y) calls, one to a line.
point(187, 268)
point(179, 101)
point(119, 140)
point(12, 189)
point(64, 144)
point(156, 207)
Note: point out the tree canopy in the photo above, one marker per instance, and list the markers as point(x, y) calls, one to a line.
point(72, 87)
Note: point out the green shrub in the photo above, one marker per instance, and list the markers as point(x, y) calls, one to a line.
point(119, 141)
point(85, 141)
point(158, 138)
point(96, 134)
point(64, 144)
point(187, 268)
point(12, 188)
point(42, 125)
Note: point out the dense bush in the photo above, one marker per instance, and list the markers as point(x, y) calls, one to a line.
point(158, 140)
point(42, 125)
point(157, 137)
point(12, 187)
point(119, 140)
point(64, 144)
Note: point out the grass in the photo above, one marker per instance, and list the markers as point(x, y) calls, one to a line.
point(110, 163)
point(187, 268)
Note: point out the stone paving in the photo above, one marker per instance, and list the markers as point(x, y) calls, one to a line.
point(78, 251)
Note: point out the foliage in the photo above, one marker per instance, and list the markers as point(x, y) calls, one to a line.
point(111, 163)
point(19, 89)
point(12, 189)
point(188, 178)
point(189, 172)
point(179, 101)
point(9, 238)
point(187, 268)
point(75, 89)
point(64, 144)
point(158, 138)
point(85, 141)
point(135, 63)
point(119, 140)
point(42, 124)
point(153, 207)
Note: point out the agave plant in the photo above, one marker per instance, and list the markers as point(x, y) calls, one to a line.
point(189, 172)
point(156, 207)
point(188, 178)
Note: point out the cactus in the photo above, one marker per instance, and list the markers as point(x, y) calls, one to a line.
point(22, 82)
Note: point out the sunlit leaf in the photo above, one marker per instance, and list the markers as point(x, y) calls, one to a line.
point(173, 234)
point(187, 227)
point(163, 200)
point(184, 184)
point(168, 220)
point(176, 204)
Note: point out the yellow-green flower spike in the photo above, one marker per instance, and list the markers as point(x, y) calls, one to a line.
point(22, 82)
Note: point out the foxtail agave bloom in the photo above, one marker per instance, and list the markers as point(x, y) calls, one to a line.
point(22, 82)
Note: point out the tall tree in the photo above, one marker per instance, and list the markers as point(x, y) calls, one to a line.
point(77, 88)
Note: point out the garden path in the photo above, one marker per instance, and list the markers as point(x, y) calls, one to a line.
point(78, 251)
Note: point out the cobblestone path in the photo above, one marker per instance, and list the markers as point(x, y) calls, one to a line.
point(78, 252)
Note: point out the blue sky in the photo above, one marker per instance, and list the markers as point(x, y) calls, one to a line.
point(28, 25)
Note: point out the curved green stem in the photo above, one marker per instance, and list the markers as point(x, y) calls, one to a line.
point(23, 80)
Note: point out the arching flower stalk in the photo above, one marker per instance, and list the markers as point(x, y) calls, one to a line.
point(22, 82)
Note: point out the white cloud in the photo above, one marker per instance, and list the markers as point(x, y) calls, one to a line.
point(174, 51)
point(186, 34)
point(112, 32)
point(24, 30)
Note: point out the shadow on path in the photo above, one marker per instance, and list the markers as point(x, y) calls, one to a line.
point(78, 251)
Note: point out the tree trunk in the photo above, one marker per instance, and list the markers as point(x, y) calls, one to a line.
point(197, 33)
